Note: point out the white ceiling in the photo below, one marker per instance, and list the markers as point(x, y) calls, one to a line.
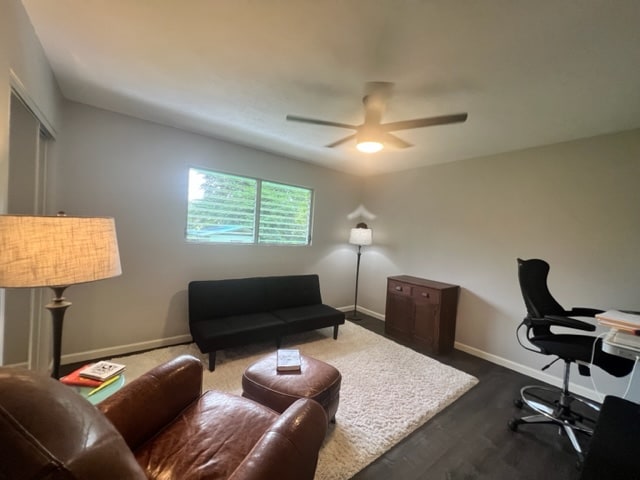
point(528, 72)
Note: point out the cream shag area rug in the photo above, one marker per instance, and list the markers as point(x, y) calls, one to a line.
point(387, 390)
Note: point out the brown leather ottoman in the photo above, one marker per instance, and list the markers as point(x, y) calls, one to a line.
point(277, 390)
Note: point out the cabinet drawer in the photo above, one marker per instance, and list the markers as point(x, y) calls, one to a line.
point(424, 294)
point(399, 288)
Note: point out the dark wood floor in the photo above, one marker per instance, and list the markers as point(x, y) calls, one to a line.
point(470, 438)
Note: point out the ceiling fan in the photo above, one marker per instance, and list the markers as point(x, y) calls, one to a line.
point(372, 134)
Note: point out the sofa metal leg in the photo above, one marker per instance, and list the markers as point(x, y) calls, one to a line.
point(212, 361)
point(335, 332)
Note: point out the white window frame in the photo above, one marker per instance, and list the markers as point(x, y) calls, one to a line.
point(190, 237)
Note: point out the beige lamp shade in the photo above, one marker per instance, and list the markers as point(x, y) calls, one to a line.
point(48, 251)
point(361, 236)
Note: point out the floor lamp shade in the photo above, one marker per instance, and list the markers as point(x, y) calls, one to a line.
point(56, 251)
point(361, 236)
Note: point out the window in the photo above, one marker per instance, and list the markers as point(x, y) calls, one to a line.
point(226, 208)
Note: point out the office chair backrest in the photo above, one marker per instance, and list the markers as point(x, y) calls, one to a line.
point(533, 284)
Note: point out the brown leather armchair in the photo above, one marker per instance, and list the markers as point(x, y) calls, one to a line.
point(158, 426)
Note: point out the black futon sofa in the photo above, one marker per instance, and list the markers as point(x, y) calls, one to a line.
point(233, 312)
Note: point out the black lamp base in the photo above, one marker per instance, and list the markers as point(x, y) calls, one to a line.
point(57, 308)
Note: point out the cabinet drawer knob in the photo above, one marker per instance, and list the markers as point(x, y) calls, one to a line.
point(399, 288)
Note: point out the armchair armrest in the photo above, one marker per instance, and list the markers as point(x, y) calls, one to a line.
point(289, 449)
point(143, 407)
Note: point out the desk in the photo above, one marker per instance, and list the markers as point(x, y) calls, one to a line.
point(622, 344)
point(614, 448)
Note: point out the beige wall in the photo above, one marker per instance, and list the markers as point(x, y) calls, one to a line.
point(23, 66)
point(136, 171)
point(574, 204)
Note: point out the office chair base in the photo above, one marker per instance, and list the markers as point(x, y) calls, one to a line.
point(556, 412)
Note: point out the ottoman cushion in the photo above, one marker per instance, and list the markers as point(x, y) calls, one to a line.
point(316, 379)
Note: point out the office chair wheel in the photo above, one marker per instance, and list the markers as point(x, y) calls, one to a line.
point(518, 403)
point(513, 424)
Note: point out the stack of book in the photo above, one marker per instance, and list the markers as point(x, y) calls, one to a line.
point(625, 321)
point(288, 360)
point(94, 375)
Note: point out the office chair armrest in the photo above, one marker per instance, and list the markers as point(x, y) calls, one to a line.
point(583, 312)
point(569, 322)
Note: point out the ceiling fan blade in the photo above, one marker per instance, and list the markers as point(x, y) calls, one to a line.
point(390, 139)
point(341, 141)
point(295, 118)
point(424, 122)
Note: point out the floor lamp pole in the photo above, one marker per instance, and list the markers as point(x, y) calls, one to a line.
point(355, 316)
point(57, 308)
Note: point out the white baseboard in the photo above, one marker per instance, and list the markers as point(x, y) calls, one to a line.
point(17, 365)
point(366, 311)
point(528, 371)
point(124, 349)
point(165, 342)
point(516, 367)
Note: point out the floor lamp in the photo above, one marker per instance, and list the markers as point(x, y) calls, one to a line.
point(360, 236)
point(55, 252)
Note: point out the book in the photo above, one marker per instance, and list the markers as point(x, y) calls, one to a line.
point(75, 379)
point(629, 322)
point(102, 370)
point(288, 360)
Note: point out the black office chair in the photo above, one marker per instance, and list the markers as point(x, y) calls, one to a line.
point(544, 312)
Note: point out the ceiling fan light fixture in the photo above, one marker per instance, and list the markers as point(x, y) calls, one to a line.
point(372, 135)
point(368, 139)
point(369, 146)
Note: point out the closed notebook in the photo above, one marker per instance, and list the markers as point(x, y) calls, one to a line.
point(288, 360)
point(102, 370)
point(74, 378)
point(629, 322)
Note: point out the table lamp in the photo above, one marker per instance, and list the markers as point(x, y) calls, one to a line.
point(360, 236)
point(56, 251)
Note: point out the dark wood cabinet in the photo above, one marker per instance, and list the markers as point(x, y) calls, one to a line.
point(422, 312)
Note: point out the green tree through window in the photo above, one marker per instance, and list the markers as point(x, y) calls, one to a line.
point(226, 208)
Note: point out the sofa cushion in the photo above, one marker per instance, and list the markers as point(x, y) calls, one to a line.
point(222, 298)
point(309, 317)
point(210, 439)
point(292, 291)
point(236, 329)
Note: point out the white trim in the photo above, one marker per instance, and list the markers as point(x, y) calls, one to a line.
point(165, 342)
point(23, 94)
point(124, 349)
point(528, 371)
point(366, 311)
point(511, 365)
point(23, 365)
